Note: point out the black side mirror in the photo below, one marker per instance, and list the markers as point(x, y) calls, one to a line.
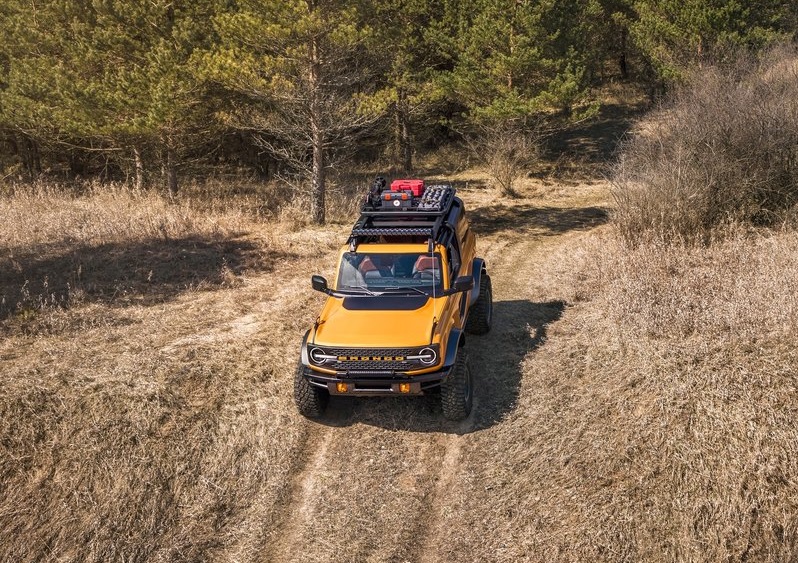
point(463, 283)
point(319, 283)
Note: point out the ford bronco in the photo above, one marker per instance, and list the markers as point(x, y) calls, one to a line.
point(408, 289)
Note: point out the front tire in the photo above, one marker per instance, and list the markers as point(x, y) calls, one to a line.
point(480, 316)
point(310, 400)
point(457, 393)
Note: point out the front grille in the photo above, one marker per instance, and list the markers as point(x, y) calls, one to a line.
point(372, 359)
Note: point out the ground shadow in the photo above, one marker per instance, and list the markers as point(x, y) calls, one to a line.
point(495, 359)
point(144, 272)
point(595, 140)
point(541, 220)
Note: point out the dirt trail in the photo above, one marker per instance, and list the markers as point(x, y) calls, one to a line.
point(380, 478)
point(301, 493)
point(428, 552)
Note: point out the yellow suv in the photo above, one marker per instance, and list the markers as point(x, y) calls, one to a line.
point(408, 288)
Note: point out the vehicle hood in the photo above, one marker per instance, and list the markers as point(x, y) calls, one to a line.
point(376, 322)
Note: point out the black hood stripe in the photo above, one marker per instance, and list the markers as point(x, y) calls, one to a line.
point(385, 303)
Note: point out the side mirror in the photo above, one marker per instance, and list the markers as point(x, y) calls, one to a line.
point(319, 283)
point(463, 283)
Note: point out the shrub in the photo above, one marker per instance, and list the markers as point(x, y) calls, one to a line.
point(508, 148)
point(724, 148)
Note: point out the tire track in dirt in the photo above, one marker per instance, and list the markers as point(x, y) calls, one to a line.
point(298, 506)
point(383, 467)
point(430, 525)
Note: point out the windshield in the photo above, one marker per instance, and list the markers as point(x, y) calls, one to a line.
point(404, 273)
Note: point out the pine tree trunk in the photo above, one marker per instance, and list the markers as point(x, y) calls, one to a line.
point(138, 165)
point(171, 172)
point(32, 160)
point(317, 181)
point(622, 63)
point(402, 134)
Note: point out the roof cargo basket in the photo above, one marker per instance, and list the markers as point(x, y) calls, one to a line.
point(396, 212)
point(435, 200)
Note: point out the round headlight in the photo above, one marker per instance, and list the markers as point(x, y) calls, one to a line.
point(317, 356)
point(427, 356)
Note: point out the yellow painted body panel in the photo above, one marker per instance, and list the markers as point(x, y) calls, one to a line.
point(340, 327)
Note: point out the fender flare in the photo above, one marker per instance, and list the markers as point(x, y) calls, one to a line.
point(453, 343)
point(303, 353)
point(477, 270)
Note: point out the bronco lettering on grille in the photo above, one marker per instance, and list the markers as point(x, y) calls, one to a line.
point(371, 358)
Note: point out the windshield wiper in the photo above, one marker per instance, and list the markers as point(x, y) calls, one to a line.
point(352, 290)
point(366, 289)
point(406, 289)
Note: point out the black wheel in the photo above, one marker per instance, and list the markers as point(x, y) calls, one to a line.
point(311, 401)
point(457, 393)
point(481, 314)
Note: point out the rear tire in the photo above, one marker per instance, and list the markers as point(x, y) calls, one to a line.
point(457, 393)
point(310, 400)
point(480, 316)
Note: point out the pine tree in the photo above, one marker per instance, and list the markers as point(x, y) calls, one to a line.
point(416, 47)
point(677, 35)
point(110, 76)
point(303, 66)
point(519, 58)
point(519, 62)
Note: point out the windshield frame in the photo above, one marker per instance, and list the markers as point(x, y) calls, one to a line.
point(354, 282)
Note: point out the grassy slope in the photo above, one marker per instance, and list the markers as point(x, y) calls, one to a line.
point(630, 406)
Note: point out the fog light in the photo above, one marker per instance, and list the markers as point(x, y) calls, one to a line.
point(341, 387)
point(404, 388)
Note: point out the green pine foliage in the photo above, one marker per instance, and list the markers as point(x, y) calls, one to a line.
point(301, 68)
point(677, 35)
point(148, 86)
point(108, 76)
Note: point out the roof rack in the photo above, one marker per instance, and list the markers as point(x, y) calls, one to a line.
point(388, 214)
point(437, 200)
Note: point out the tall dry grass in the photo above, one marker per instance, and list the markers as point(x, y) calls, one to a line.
point(60, 246)
point(49, 214)
point(143, 406)
point(722, 150)
point(63, 245)
point(659, 420)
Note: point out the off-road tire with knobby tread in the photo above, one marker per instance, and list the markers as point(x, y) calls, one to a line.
point(457, 392)
point(480, 316)
point(310, 401)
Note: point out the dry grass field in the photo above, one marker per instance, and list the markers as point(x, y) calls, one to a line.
point(631, 405)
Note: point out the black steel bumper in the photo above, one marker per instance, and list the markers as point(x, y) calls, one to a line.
point(377, 383)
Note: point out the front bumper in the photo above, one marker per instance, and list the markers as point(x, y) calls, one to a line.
point(377, 383)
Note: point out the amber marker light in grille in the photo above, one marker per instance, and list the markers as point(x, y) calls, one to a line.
point(342, 387)
point(404, 388)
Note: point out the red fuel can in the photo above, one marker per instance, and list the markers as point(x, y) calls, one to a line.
point(414, 186)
